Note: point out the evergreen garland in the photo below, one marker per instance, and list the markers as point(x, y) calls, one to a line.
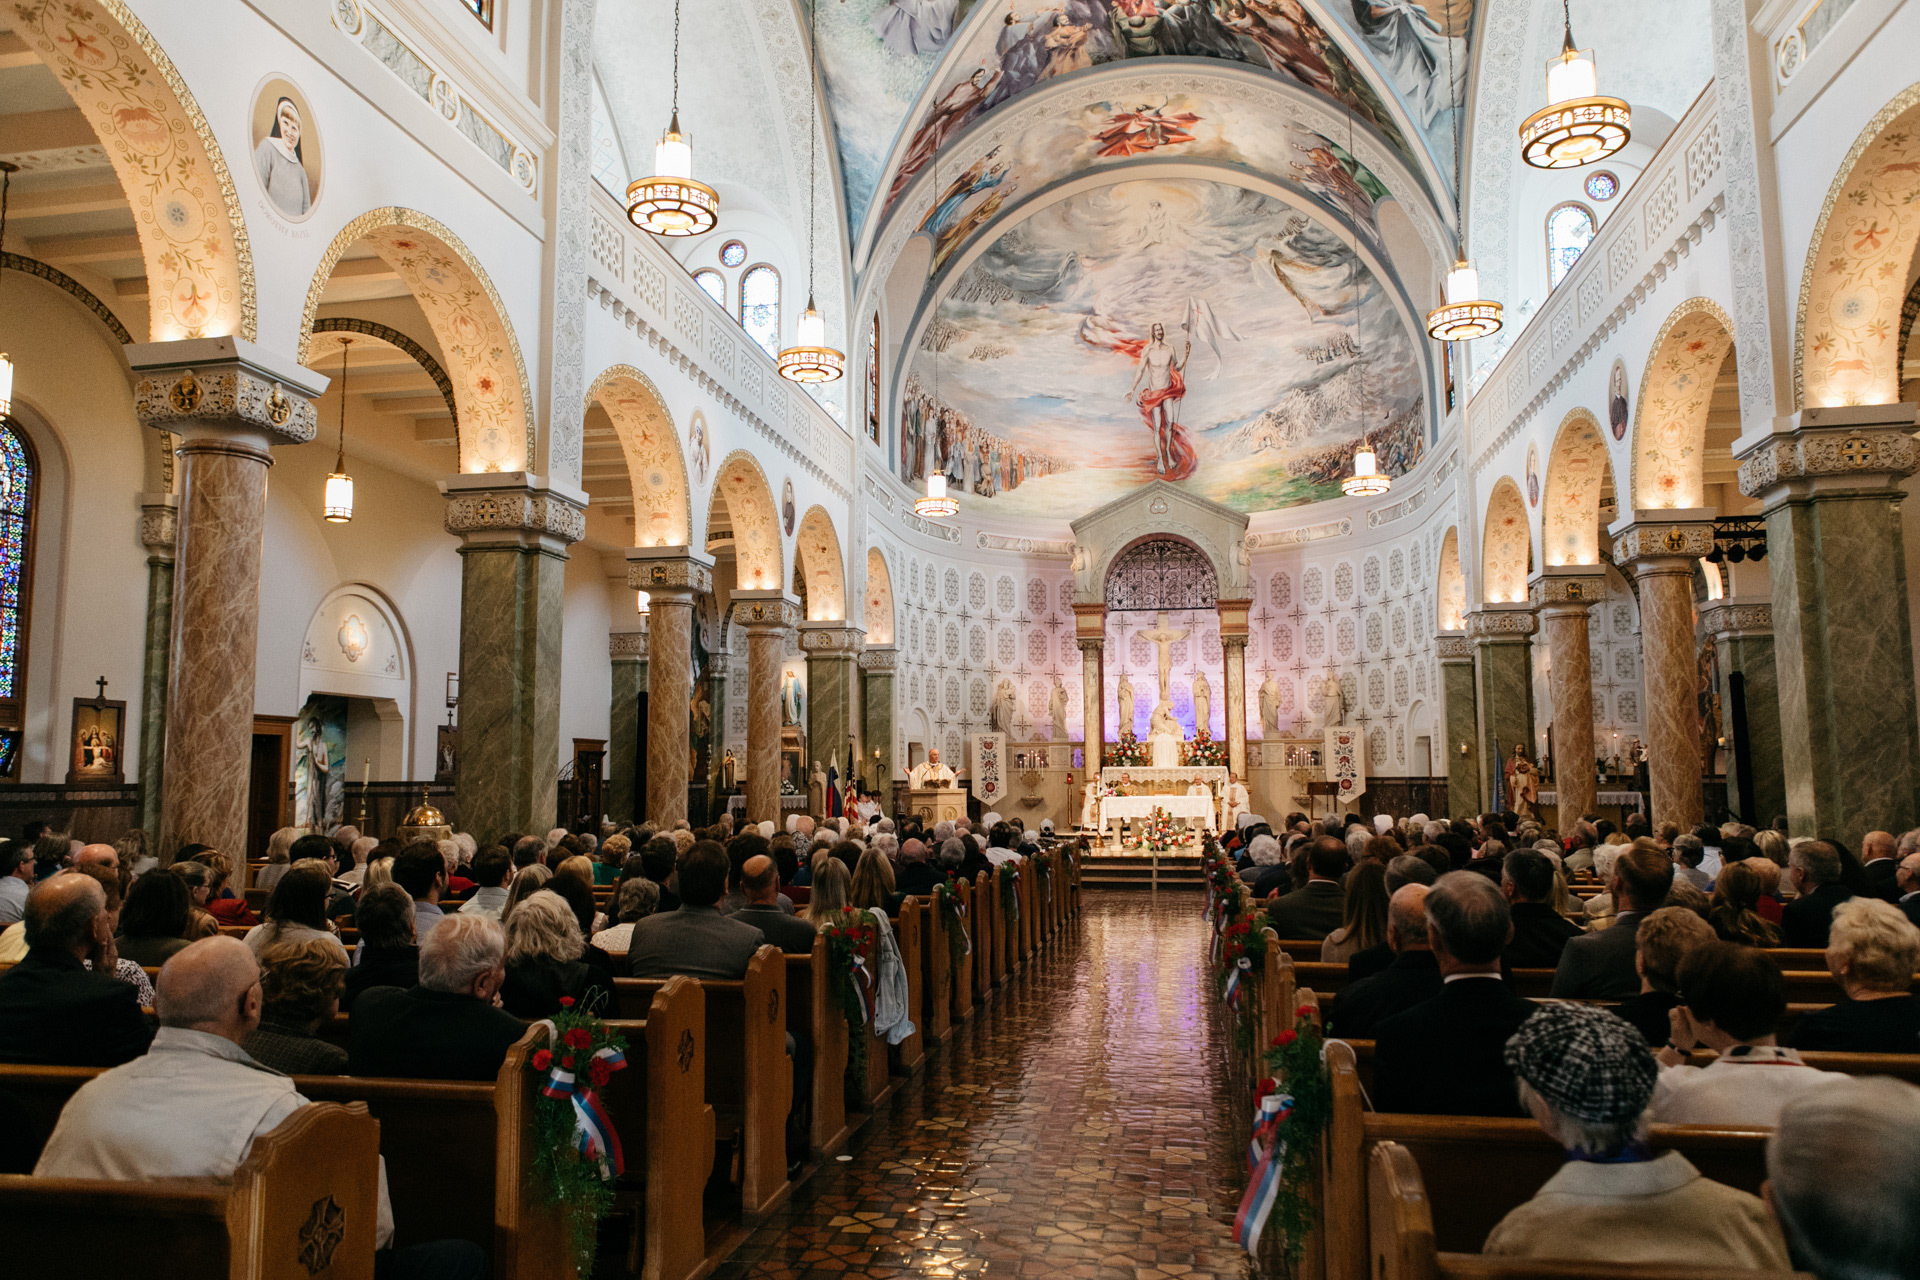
point(573, 1169)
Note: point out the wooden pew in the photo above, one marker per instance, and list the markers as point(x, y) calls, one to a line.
point(963, 975)
point(933, 1010)
point(815, 1020)
point(1477, 1168)
point(1029, 910)
point(266, 1223)
point(910, 930)
point(1403, 1244)
point(748, 1077)
point(986, 931)
point(1004, 960)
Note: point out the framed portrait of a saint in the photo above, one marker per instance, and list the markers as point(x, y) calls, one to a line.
point(99, 735)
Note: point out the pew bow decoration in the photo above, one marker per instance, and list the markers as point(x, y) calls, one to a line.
point(1009, 878)
point(851, 942)
point(1290, 1119)
point(578, 1153)
point(953, 915)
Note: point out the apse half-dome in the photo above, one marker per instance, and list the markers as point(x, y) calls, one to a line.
point(1178, 329)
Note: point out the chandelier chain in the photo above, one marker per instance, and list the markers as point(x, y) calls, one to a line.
point(813, 128)
point(676, 59)
point(340, 460)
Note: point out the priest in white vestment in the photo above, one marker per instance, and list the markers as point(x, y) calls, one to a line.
point(1199, 787)
point(930, 773)
point(1237, 802)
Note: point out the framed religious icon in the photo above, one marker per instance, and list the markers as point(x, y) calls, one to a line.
point(446, 754)
point(286, 151)
point(99, 732)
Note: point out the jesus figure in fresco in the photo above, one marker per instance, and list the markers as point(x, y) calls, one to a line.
point(1162, 373)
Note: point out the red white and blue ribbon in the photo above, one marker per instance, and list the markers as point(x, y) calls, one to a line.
point(1265, 1156)
point(1232, 994)
point(593, 1133)
point(863, 987)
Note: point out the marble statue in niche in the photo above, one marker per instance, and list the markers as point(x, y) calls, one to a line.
point(1270, 705)
point(1202, 703)
point(1123, 700)
point(1057, 710)
point(1164, 737)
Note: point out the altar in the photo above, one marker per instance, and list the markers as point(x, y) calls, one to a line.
point(1215, 776)
point(1178, 807)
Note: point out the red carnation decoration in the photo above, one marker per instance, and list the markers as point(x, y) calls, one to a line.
point(577, 1038)
point(1286, 1038)
point(567, 1062)
point(1305, 1011)
point(566, 1002)
point(542, 1060)
point(598, 1073)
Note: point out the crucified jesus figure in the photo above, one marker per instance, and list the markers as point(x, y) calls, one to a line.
point(1159, 403)
point(1163, 637)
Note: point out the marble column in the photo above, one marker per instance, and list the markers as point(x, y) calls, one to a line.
point(671, 577)
point(832, 733)
point(878, 663)
point(1662, 547)
point(1563, 594)
point(1829, 481)
point(1503, 678)
point(159, 525)
point(1462, 720)
point(1742, 634)
point(627, 651)
point(514, 530)
point(719, 666)
point(1233, 653)
point(229, 402)
point(1090, 633)
point(767, 615)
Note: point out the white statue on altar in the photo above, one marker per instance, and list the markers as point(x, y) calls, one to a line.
point(1202, 704)
point(1123, 702)
point(1336, 711)
point(1164, 738)
point(1270, 706)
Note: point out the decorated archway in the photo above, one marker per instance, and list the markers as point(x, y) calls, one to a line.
point(468, 320)
point(662, 504)
point(1676, 393)
point(816, 551)
point(1578, 472)
point(1506, 546)
point(193, 235)
point(1450, 607)
point(879, 611)
point(741, 493)
point(1847, 335)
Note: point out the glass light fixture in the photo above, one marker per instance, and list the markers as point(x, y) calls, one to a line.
point(338, 503)
point(937, 505)
point(810, 359)
point(670, 202)
point(1579, 124)
point(1463, 314)
point(1367, 480)
point(7, 169)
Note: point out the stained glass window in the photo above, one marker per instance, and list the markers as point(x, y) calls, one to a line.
point(1602, 185)
point(712, 283)
point(1569, 231)
point(873, 380)
point(732, 253)
point(760, 307)
point(17, 476)
point(481, 9)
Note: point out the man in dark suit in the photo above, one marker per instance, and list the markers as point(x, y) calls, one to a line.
point(1413, 976)
point(917, 876)
point(1446, 1055)
point(1539, 932)
point(1814, 869)
point(1401, 871)
point(447, 1027)
point(55, 1012)
point(1880, 851)
point(1909, 884)
point(1317, 907)
point(760, 880)
point(695, 940)
point(1599, 966)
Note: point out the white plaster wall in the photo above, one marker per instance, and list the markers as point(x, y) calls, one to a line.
point(586, 673)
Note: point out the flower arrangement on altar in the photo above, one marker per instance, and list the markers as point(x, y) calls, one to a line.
point(1204, 749)
point(1157, 831)
point(1128, 751)
point(577, 1148)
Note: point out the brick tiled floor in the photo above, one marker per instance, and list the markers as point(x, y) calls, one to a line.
point(1077, 1127)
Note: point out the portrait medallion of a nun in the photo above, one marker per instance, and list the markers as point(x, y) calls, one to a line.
point(286, 153)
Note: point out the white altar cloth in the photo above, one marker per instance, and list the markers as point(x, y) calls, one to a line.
point(1213, 775)
point(1114, 808)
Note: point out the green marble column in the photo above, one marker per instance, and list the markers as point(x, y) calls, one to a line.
point(1829, 484)
point(1462, 724)
point(158, 524)
point(877, 667)
point(832, 648)
point(1503, 679)
point(628, 651)
point(514, 540)
point(1742, 632)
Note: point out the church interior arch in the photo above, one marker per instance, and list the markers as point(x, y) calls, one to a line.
point(1690, 361)
point(818, 562)
point(1451, 593)
point(743, 519)
point(880, 613)
point(1579, 486)
point(1506, 546)
point(649, 453)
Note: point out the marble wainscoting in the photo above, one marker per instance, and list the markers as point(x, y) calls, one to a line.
point(768, 616)
point(877, 673)
point(628, 652)
point(1742, 635)
point(1463, 723)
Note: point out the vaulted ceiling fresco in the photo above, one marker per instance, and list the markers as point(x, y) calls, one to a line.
point(1181, 329)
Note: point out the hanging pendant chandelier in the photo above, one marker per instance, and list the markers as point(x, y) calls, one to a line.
point(810, 359)
point(1579, 124)
point(938, 504)
point(1462, 314)
point(1367, 480)
point(7, 170)
point(338, 503)
point(671, 203)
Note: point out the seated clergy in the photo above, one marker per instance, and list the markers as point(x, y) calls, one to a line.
point(194, 1104)
point(53, 1009)
point(1588, 1078)
point(447, 1027)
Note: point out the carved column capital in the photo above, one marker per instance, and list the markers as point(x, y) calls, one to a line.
point(1566, 586)
point(882, 659)
point(1838, 449)
point(159, 524)
point(766, 609)
point(627, 645)
point(1089, 623)
point(831, 639)
point(1736, 618)
point(669, 574)
point(1453, 646)
point(199, 386)
point(513, 508)
point(1663, 541)
point(1497, 623)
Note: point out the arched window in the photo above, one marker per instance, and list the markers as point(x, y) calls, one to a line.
point(1570, 229)
point(873, 380)
point(760, 307)
point(19, 474)
point(712, 283)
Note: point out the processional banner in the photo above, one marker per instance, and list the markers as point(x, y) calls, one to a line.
point(987, 764)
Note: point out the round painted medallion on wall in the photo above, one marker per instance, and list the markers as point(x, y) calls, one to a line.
point(1617, 400)
point(286, 148)
point(1533, 475)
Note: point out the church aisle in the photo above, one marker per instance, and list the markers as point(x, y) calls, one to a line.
point(1083, 1134)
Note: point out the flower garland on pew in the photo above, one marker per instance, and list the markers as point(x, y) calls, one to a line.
point(577, 1150)
point(953, 914)
point(851, 937)
point(1291, 1112)
point(1008, 875)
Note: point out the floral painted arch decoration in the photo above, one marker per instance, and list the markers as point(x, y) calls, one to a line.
point(741, 487)
point(469, 321)
point(1577, 472)
point(193, 234)
point(1506, 548)
point(879, 610)
point(817, 548)
point(1676, 393)
point(662, 500)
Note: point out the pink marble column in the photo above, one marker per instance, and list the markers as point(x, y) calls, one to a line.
point(1090, 633)
point(229, 402)
point(1563, 594)
point(768, 617)
point(671, 578)
point(1233, 653)
point(1662, 552)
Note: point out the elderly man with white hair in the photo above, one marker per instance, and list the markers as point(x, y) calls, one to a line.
point(195, 1103)
point(1843, 1175)
point(448, 1027)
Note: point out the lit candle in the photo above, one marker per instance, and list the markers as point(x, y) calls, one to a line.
point(366, 771)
